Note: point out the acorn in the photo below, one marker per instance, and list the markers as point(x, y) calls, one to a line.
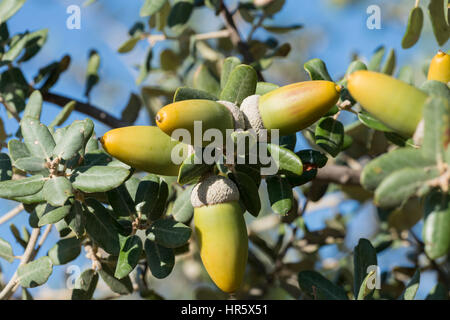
point(394, 102)
point(221, 231)
point(440, 67)
point(221, 115)
point(146, 148)
point(290, 108)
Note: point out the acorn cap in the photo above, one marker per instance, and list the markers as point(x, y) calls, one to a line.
point(214, 190)
point(252, 117)
point(238, 117)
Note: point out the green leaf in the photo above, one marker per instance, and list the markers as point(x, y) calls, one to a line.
point(121, 202)
point(37, 138)
point(380, 168)
point(98, 178)
point(375, 61)
point(131, 112)
point(5, 167)
point(179, 15)
point(205, 80)
point(64, 251)
point(150, 7)
point(369, 121)
point(182, 210)
point(76, 219)
point(16, 47)
point(317, 70)
point(129, 255)
point(14, 89)
point(85, 285)
point(365, 256)
point(129, 45)
point(414, 28)
point(92, 76)
point(31, 164)
point(403, 184)
point(412, 287)
point(320, 288)
point(241, 84)
point(63, 114)
point(102, 227)
point(436, 228)
point(190, 171)
point(313, 157)
point(282, 29)
point(122, 286)
point(439, 292)
point(169, 233)
point(437, 128)
point(273, 7)
point(169, 60)
point(57, 190)
point(160, 260)
point(286, 160)
point(145, 67)
point(441, 28)
point(6, 251)
point(34, 106)
point(9, 8)
point(21, 187)
point(228, 66)
point(280, 194)
point(365, 293)
point(52, 214)
point(248, 191)
point(35, 273)
point(185, 93)
point(389, 65)
point(151, 196)
point(329, 135)
point(265, 87)
point(35, 42)
point(406, 74)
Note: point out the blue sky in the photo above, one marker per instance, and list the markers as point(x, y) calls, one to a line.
point(104, 26)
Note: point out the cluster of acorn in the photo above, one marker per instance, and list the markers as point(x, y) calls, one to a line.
point(218, 217)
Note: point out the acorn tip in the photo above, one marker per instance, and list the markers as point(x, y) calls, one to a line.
point(338, 88)
point(441, 53)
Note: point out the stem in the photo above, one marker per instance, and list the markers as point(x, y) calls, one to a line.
point(12, 286)
point(417, 3)
point(11, 214)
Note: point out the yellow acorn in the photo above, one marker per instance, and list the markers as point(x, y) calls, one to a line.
point(440, 67)
point(221, 231)
point(221, 115)
point(145, 148)
point(290, 108)
point(395, 103)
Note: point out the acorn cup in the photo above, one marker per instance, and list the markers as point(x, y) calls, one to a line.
point(145, 148)
point(221, 231)
point(221, 115)
point(394, 102)
point(290, 108)
point(440, 67)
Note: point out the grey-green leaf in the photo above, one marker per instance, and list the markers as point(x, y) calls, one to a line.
point(365, 257)
point(182, 210)
point(190, 171)
point(441, 28)
point(98, 178)
point(317, 70)
point(228, 66)
point(122, 286)
point(85, 285)
point(35, 273)
point(6, 251)
point(21, 187)
point(9, 8)
point(185, 93)
point(5, 167)
point(37, 137)
point(30, 164)
point(34, 106)
point(412, 287)
point(241, 84)
point(150, 7)
point(53, 214)
point(280, 194)
point(286, 160)
point(57, 190)
point(248, 192)
point(329, 135)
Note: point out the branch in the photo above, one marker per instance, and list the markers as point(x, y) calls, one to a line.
point(11, 214)
point(339, 174)
point(85, 108)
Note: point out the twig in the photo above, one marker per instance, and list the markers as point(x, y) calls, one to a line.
point(11, 214)
point(12, 286)
point(154, 38)
point(339, 174)
point(85, 108)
